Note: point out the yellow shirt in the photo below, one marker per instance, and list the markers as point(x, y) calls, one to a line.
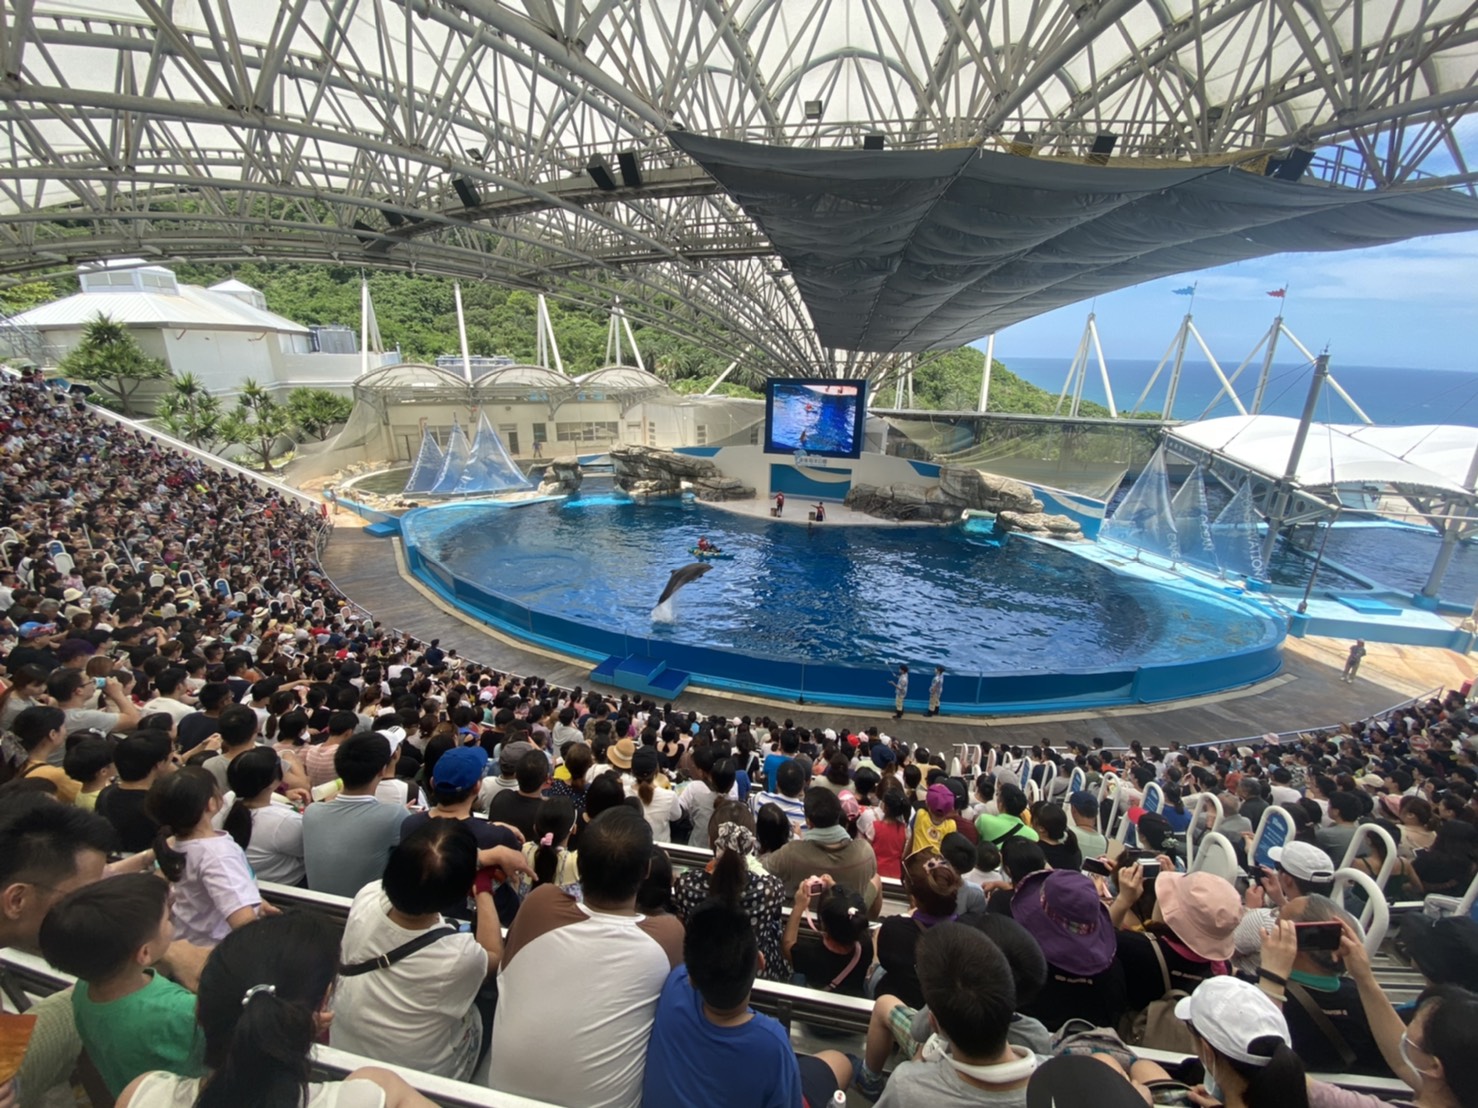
point(927, 833)
point(66, 788)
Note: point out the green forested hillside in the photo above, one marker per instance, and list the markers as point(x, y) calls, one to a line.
point(418, 315)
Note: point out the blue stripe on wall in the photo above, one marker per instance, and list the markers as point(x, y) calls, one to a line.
point(796, 482)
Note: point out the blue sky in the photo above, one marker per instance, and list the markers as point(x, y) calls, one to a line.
point(1411, 304)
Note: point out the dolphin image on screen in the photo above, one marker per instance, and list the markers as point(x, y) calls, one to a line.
point(681, 576)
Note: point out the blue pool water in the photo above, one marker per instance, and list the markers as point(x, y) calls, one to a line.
point(856, 596)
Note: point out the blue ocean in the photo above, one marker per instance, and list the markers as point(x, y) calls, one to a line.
point(1391, 396)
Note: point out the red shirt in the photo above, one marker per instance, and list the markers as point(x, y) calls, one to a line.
point(888, 841)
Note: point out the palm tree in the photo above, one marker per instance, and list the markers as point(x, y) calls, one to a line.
point(108, 355)
point(191, 413)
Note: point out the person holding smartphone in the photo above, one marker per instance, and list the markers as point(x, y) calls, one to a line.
point(1305, 970)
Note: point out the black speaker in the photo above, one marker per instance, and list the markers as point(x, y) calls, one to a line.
point(600, 173)
point(1292, 166)
point(874, 141)
point(630, 169)
point(467, 191)
point(394, 218)
point(1102, 147)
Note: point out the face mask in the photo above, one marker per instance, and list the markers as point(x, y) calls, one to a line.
point(1410, 1064)
point(1213, 1090)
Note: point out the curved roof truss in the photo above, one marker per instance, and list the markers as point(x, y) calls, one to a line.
point(334, 130)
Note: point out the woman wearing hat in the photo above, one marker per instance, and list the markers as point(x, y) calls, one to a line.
point(1242, 1040)
point(1061, 909)
point(1189, 936)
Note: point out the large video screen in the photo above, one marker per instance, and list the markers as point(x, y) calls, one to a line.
point(820, 416)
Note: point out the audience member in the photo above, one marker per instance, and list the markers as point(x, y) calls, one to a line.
point(264, 999)
point(408, 979)
point(110, 935)
point(708, 1046)
point(593, 968)
point(347, 840)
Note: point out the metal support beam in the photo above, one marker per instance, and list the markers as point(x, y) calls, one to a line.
point(1279, 500)
point(990, 356)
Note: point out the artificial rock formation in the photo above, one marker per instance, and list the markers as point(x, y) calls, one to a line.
point(648, 473)
point(1055, 526)
point(961, 488)
point(562, 477)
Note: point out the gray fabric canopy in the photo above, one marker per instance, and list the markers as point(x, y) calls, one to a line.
point(916, 250)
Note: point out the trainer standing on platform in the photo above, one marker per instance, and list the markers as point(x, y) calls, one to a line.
point(900, 690)
point(936, 690)
point(779, 503)
point(1352, 662)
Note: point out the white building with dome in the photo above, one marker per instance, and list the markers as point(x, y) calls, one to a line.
point(222, 334)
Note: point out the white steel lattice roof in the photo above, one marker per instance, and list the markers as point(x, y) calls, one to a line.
point(334, 130)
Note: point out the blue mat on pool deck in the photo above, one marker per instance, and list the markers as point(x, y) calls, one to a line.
point(384, 529)
point(1367, 606)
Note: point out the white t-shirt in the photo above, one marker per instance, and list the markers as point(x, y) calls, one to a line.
point(166, 1090)
point(594, 976)
point(276, 850)
point(217, 882)
point(419, 1011)
point(169, 706)
point(659, 812)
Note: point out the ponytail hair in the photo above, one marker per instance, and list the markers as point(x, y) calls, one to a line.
point(555, 821)
point(731, 833)
point(728, 877)
point(259, 994)
point(1282, 1083)
point(178, 803)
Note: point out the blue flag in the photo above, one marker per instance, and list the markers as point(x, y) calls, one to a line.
point(1189, 290)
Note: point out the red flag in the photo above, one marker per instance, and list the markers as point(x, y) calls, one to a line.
point(1278, 293)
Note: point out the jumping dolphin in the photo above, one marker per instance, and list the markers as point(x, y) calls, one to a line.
point(682, 576)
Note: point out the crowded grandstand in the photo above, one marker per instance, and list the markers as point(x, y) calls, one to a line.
point(257, 848)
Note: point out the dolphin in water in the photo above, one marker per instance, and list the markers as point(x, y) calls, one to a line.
point(682, 576)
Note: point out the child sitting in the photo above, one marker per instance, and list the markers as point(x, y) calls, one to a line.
point(969, 989)
point(215, 892)
point(89, 759)
point(935, 821)
point(839, 962)
point(131, 1019)
point(552, 862)
point(708, 1046)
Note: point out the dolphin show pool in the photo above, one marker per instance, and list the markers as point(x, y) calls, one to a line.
point(825, 614)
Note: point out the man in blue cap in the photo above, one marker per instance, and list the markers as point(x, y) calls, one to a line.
point(455, 781)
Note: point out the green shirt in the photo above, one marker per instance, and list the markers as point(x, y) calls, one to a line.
point(992, 828)
point(151, 1029)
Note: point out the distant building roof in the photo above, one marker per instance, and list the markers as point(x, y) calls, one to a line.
point(410, 375)
point(524, 376)
point(621, 378)
point(194, 307)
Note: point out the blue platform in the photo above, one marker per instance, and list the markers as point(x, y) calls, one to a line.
point(634, 673)
point(383, 530)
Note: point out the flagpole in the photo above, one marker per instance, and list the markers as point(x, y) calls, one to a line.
point(1281, 295)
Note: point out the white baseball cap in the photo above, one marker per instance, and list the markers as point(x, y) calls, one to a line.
point(1304, 861)
point(1231, 1015)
